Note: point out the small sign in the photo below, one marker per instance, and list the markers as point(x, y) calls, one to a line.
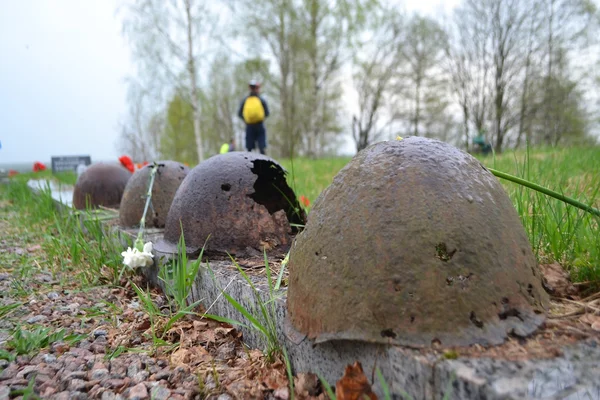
point(69, 163)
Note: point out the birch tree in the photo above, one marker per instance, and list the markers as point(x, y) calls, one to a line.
point(420, 75)
point(374, 68)
point(168, 40)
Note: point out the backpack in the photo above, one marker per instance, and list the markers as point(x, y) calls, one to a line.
point(253, 110)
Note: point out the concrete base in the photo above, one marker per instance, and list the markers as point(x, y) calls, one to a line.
point(408, 373)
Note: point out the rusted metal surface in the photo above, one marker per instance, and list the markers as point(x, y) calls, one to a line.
point(100, 185)
point(414, 243)
point(240, 199)
point(169, 176)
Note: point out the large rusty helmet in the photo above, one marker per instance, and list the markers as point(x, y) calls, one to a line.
point(414, 243)
point(169, 175)
point(100, 185)
point(240, 199)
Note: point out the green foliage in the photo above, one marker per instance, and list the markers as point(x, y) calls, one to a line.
point(27, 342)
point(264, 318)
point(158, 323)
point(177, 140)
point(69, 239)
point(28, 393)
point(7, 309)
point(557, 231)
point(180, 275)
point(310, 177)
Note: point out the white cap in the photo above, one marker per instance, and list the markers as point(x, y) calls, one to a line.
point(253, 82)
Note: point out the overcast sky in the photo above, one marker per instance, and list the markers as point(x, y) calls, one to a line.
point(62, 77)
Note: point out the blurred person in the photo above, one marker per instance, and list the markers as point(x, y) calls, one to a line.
point(253, 111)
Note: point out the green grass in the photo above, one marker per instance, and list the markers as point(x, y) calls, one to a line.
point(27, 342)
point(557, 231)
point(68, 178)
point(309, 177)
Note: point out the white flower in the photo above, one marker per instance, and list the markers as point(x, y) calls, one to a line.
point(134, 258)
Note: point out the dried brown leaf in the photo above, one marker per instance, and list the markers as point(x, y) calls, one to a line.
point(354, 384)
point(557, 280)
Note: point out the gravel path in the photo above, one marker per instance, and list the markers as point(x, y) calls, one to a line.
point(97, 342)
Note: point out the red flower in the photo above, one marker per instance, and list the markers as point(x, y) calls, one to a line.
point(304, 200)
point(38, 166)
point(127, 163)
point(12, 172)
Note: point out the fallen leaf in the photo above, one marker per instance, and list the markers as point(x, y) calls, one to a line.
point(180, 357)
point(354, 384)
point(275, 377)
point(590, 319)
point(557, 281)
point(144, 325)
point(306, 384)
point(34, 248)
point(199, 325)
point(207, 337)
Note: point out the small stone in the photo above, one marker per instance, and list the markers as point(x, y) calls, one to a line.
point(101, 340)
point(36, 318)
point(138, 392)
point(77, 375)
point(9, 372)
point(3, 364)
point(23, 360)
point(282, 393)
point(24, 373)
point(46, 393)
point(140, 376)
point(4, 276)
point(53, 295)
point(108, 395)
point(225, 396)
point(4, 392)
point(162, 363)
point(78, 396)
point(133, 368)
point(99, 374)
point(77, 385)
point(62, 396)
point(98, 348)
point(160, 393)
point(59, 347)
point(114, 383)
point(159, 376)
point(100, 332)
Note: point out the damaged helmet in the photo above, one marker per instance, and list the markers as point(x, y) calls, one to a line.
point(414, 243)
point(169, 175)
point(241, 200)
point(100, 185)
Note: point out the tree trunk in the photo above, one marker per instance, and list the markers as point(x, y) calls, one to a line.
point(314, 106)
point(417, 106)
point(548, 90)
point(191, 67)
point(524, 109)
point(465, 110)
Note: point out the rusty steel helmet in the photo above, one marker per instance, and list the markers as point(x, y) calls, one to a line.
point(414, 243)
point(169, 175)
point(100, 185)
point(240, 199)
